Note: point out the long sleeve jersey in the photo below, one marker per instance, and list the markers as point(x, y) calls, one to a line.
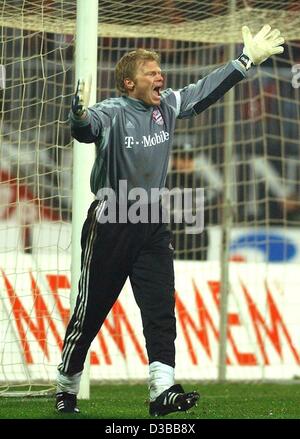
point(134, 140)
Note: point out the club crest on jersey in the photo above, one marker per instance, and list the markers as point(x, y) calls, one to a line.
point(157, 117)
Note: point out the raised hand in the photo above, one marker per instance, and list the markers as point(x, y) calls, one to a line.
point(81, 98)
point(263, 45)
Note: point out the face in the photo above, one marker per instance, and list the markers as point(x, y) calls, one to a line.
point(147, 84)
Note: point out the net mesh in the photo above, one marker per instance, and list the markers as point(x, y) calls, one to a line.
point(191, 20)
point(37, 52)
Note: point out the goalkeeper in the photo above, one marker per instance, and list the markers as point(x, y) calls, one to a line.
point(133, 136)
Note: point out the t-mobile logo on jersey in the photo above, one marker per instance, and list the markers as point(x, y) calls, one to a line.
point(156, 139)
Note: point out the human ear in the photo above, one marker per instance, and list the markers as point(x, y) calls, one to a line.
point(129, 84)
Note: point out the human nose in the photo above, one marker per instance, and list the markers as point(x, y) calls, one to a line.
point(159, 77)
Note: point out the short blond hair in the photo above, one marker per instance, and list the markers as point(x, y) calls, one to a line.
point(127, 66)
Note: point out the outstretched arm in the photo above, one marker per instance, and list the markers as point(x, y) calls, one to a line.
point(195, 98)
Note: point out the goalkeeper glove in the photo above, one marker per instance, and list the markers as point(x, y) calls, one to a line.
point(81, 98)
point(260, 47)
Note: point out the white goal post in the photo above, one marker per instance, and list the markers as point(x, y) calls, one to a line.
point(86, 44)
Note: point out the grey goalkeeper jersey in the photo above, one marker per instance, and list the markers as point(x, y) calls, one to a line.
point(133, 140)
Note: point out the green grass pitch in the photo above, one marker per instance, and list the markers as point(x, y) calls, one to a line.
point(128, 401)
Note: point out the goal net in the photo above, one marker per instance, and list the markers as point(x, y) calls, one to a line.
point(251, 194)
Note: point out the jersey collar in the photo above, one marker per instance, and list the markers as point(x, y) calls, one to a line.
point(137, 104)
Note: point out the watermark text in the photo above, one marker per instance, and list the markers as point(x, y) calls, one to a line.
point(159, 205)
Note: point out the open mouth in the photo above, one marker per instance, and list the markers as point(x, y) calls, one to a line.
point(156, 91)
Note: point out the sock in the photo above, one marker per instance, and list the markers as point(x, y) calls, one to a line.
point(68, 383)
point(161, 377)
